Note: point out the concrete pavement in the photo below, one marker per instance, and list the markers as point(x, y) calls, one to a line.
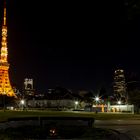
point(129, 127)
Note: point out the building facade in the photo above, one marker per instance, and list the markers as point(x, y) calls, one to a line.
point(119, 84)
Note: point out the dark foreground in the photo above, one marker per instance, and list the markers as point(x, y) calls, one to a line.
point(42, 128)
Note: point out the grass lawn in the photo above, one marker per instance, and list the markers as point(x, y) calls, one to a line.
point(100, 116)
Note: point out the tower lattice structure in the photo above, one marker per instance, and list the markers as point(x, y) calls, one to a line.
point(5, 86)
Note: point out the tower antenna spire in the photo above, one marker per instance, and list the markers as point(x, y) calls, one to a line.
point(4, 51)
point(4, 17)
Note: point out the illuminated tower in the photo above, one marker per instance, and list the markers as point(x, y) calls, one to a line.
point(5, 86)
point(119, 84)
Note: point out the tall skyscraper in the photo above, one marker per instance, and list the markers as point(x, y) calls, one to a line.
point(119, 84)
point(5, 86)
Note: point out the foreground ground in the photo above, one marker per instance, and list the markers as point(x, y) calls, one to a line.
point(129, 127)
point(126, 123)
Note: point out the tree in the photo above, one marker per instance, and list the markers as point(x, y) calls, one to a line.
point(7, 101)
point(134, 98)
point(88, 97)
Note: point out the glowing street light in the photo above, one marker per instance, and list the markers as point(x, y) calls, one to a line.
point(22, 102)
point(97, 99)
point(119, 103)
point(76, 104)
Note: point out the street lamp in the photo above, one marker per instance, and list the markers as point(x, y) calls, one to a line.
point(76, 103)
point(22, 102)
point(119, 103)
point(97, 99)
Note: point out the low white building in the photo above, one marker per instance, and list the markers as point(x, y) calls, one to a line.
point(121, 108)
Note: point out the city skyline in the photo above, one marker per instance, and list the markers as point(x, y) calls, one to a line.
point(67, 45)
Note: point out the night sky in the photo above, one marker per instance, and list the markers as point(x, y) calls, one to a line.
point(74, 45)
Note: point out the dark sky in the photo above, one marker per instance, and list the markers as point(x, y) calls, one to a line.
point(75, 45)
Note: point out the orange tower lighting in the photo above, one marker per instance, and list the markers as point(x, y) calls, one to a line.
point(5, 86)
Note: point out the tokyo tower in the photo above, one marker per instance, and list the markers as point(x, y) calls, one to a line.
point(5, 86)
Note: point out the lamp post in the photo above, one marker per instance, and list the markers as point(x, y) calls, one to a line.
point(119, 103)
point(97, 100)
point(22, 102)
point(76, 104)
